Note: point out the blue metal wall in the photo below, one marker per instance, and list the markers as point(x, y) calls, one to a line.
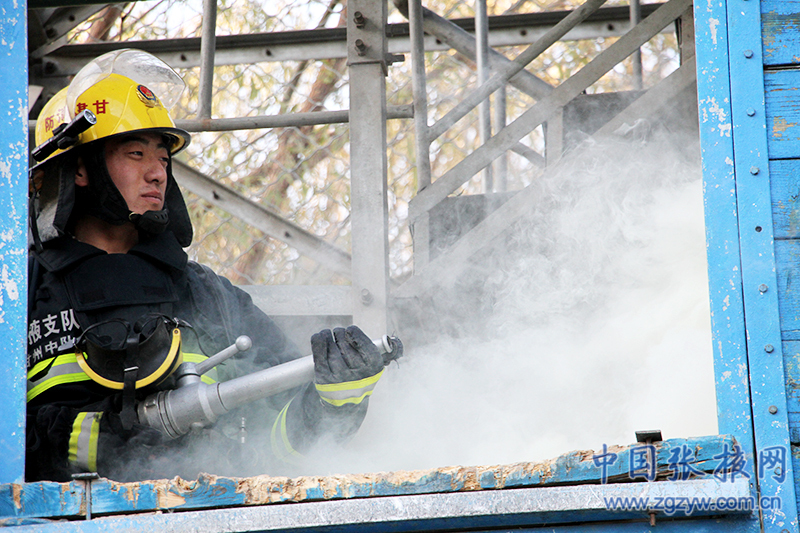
point(750, 133)
point(781, 40)
point(13, 236)
point(749, 148)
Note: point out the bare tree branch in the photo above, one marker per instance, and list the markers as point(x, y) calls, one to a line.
point(102, 25)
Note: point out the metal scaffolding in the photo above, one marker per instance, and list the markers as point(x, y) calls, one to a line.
point(371, 46)
point(752, 244)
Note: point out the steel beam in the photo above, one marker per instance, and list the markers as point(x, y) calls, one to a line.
point(465, 44)
point(757, 249)
point(208, 47)
point(226, 520)
point(261, 218)
point(49, 4)
point(367, 55)
point(508, 70)
point(511, 134)
point(420, 96)
point(499, 122)
point(483, 71)
point(56, 23)
point(302, 300)
point(327, 43)
point(529, 153)
point(422, 143)
point(636, 57)
point(13, 237)
point(289, 120)
point(439, 271)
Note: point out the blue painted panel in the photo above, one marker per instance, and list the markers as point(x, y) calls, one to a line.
point(781, 30)
point(47, 499)
point(791, 365)
point(41, 499)
point(785, 190)
point(759, 279)
point(787, 255)
point(796, 462)
point(782, 93)
point(722, 229)
point(13, 236)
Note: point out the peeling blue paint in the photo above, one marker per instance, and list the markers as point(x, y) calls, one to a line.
point(13, 235)
point(51, 500)
point(735, 201)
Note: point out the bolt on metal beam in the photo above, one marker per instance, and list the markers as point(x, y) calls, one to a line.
point(86, 478)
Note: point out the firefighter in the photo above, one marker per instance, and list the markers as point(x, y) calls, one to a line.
point(115, 305)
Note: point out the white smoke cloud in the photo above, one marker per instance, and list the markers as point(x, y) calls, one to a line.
point(601, 328)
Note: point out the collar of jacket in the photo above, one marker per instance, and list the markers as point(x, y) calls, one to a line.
point(63, 252)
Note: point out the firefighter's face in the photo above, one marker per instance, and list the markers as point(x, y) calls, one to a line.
point(137, 164)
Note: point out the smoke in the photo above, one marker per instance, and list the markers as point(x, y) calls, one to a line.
point(588, 321)
point(599, 326)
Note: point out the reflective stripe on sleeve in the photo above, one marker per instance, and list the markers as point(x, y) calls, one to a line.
point(64, 369)
point(348, 392)
point(83, 441)
point(281, 447)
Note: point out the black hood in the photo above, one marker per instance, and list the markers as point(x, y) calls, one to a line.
point(59, 201)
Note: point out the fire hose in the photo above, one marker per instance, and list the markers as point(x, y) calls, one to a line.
point(195, 404)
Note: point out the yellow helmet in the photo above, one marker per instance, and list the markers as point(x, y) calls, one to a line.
point(53, 115)
point(126, 90)
point(119, 92)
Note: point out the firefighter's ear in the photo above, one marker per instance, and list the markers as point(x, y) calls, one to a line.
point(81, 177)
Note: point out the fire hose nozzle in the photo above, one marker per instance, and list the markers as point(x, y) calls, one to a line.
point(196, 404)
point(384, 343)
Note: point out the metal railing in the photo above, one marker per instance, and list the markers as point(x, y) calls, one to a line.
point(261, 218)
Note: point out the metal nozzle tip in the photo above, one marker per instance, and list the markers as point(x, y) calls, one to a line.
point(387, 344)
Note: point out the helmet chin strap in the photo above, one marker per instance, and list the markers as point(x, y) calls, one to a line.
point(153, 222)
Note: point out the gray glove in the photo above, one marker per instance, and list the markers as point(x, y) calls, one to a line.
point(347, 365)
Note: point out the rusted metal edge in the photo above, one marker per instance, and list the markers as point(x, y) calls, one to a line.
point(564, 509)
point(48, 499)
